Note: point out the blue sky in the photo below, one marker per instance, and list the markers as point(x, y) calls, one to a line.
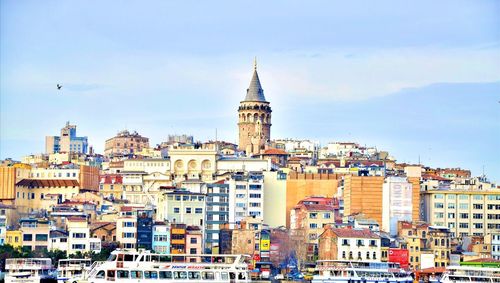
point(419, 78)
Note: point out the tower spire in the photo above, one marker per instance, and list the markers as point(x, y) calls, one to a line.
point(255, 63)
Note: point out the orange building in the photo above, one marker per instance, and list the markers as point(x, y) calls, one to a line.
point(7, 184)
point(363, 194)
point(89, 178)
point(300, 186)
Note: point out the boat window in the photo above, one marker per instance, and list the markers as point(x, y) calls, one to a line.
point(232, 275)
point(180, 275)
point(112, 257)
point(154, 258)
point(150, 275)
point(120, 257)
point(164, 258)
point(208, 275)
point(110, 275)
point(242, 276)
point(129, 258)
point(122, 273)
point(223, 276)
point(136, 274)
point(100, 274)
point(194, 275)
point(166, 274)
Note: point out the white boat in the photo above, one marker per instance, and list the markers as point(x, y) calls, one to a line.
point(459, 274)
point(359, 272)
point(72, 270)
point(29, 270)
point(130, 266)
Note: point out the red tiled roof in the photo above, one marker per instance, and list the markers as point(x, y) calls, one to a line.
point(486, 259)
point(47, 183)
point(319, 207)
point(275, 151)
point(76, 219)
point(354, 233)
point(434, 177)
point(111, 179)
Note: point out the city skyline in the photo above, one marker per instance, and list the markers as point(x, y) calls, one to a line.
point(331, 77)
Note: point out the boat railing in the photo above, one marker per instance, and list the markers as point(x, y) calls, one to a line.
point(94, 268)
point(27, 263)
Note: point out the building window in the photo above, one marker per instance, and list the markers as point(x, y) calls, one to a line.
point(193, 241)
point(41, 237)
point(438, 205)
point(374, 255)
point(128, 224)
point(128, 235)
point(176, 210)
point(464, 215)
point(27, 237)
point(373, 243)
point(477, 206)
point(79, 235)
point(345, 242)
point(313, 215)
point(326, 215)
point(188, 209)
point(451, 206)
point(192, 251)
point(343, 254)
point(198, 210)
point(78, 246)
point(360, 243)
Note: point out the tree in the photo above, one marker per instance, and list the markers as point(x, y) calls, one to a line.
point(55, 256)
point(8, 251)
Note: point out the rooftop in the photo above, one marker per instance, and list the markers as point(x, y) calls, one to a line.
point(47, 183)
point(354, 233)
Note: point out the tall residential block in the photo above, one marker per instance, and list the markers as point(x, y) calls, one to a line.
point(254, 118)
point(66, 142)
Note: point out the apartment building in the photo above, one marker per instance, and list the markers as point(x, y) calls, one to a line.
point(464, 212)
point(66, 142)
point(194, 241)
point(35, 233)
point(161, 237)
point(246, 196)
point(182, 206)
point(217, 213)
point(311, 215)
point(126, 228)
point(79, 238)
point(349, 244)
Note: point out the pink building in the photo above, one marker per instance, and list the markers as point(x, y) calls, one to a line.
point(194, 242)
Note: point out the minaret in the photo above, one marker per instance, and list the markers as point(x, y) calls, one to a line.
point(254, 118)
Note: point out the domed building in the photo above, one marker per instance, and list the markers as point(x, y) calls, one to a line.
point(254, 116)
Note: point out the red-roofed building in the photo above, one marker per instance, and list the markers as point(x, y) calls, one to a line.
point(349, 244)
point(277, 156)
point(309, 217)
point(111, 186)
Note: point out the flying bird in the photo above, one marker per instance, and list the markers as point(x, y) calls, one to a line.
point(59, 86)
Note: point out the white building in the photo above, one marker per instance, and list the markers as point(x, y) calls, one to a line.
point(397, 195)
point(246, 196)
point(495, 244)
point(126, 228)
point(79, 239)
point(351, 244)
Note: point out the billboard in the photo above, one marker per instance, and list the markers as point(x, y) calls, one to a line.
point(400, 256)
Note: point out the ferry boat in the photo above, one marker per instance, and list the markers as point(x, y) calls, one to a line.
point(459, 274)
point(29, 270)
point(359, 272)
point(130, 266)
point(72, 270)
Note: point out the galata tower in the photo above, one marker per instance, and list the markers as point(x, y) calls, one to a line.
point(254, 116)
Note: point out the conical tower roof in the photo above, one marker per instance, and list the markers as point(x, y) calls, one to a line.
point(255, 91)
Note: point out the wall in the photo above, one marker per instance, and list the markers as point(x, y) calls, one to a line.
point(300, 186)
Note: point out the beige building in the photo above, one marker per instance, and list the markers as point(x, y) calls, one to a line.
point(189, 163)
point(66, 142)
point(254, 120)
point(464, 212)
point(36, 195)
point(274, 202)
point(349, 244)
point(35, 233)
point(125, 143)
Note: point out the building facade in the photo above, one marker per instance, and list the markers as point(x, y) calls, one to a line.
point(125, 143)
point(349, 244)
point(66, 142)
point(464, 212)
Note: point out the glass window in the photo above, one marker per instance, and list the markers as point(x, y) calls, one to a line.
point(194, 275)
point(122, 274)
point(166, 274)
point(180, 275)
point(100, 274)
point(463, 197)
point(110, 275)
point(136, 274)
point(150, 275)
